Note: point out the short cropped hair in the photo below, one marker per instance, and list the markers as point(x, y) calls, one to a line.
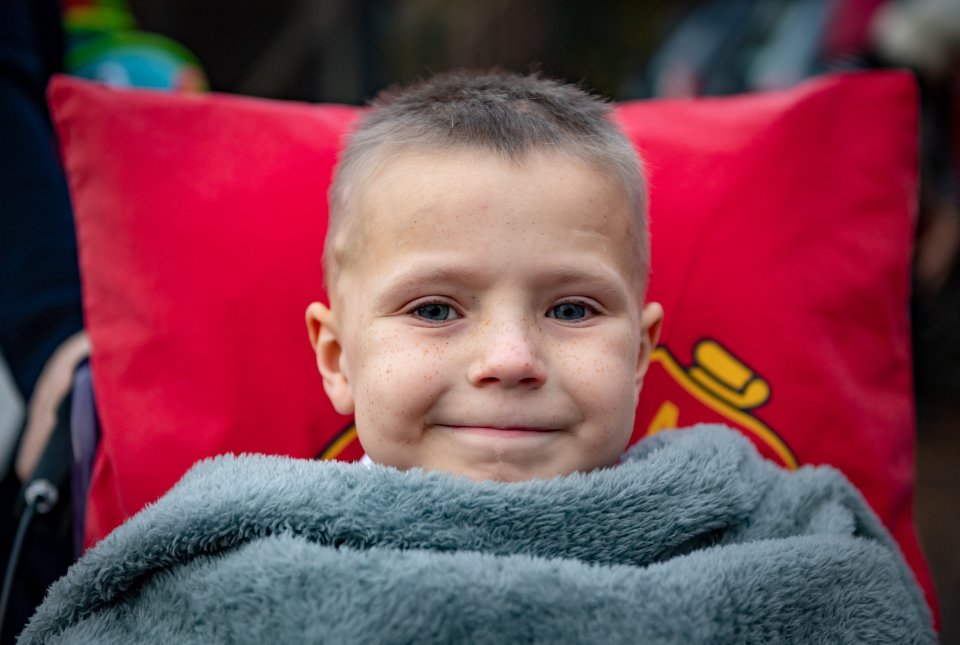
point(505, 114)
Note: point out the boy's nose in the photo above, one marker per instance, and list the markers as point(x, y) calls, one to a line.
point(508, 356)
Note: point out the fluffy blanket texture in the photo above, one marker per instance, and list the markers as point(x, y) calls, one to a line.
point(692, 539)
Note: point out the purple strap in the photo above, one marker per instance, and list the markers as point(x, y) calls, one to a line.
point(84, 437)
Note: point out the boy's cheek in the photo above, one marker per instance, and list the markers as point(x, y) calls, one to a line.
point(610, 373)
point(394, 375)
point(398, 356)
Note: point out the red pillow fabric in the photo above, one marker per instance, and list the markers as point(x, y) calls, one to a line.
point(781, 226)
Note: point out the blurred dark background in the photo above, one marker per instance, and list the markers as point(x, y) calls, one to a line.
point(328, 50)
point(347, 51)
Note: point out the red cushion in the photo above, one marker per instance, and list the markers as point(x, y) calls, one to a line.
point(781, 226)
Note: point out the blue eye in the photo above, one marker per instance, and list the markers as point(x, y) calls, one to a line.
point(569, 311)
point(436, 312)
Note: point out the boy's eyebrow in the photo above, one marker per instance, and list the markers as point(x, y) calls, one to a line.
point(430, 272)
point(598, 281)
point(435, 271)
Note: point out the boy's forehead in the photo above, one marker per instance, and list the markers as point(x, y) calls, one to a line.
point(419, 177)
point(403, 194)
point(449, 191)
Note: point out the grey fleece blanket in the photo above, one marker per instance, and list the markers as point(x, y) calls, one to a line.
point(692, 539)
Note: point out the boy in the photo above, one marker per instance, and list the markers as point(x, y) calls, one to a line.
point(486, 263)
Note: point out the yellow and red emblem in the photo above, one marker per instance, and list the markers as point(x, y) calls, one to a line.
point(717, 387)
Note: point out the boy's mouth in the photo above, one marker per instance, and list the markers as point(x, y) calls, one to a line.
point(498, 430)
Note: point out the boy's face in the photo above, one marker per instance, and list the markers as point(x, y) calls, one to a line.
point(489, 322)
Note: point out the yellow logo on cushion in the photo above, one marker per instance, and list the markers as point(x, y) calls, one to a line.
point(344, 446)
point(723, 384)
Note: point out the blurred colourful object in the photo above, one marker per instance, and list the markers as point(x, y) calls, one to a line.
point(104, 45)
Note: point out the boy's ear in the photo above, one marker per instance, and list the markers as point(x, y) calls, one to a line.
point(651, 319)
point(324, 334)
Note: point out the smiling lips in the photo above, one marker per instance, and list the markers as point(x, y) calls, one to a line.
point(501, 431)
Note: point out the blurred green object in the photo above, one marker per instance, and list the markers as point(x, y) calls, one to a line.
point(104, 45)
point(97, 17)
